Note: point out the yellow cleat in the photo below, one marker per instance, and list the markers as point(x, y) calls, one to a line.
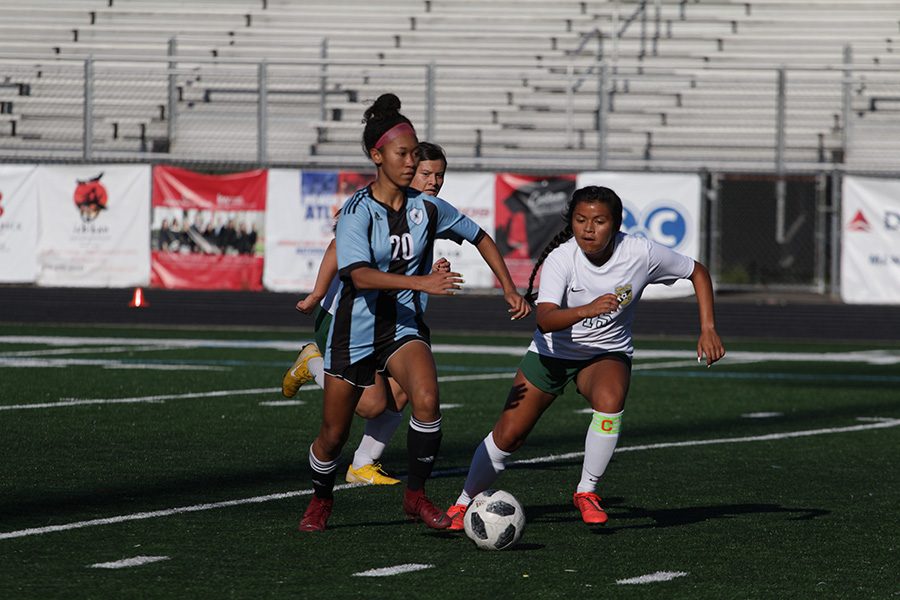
point(299, 372)
point(371, 474)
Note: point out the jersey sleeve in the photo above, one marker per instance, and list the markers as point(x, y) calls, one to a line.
point(352, 239)
point(455, 226)
point(555, 275)
point(667, 266)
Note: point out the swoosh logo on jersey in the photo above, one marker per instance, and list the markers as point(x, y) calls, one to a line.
point(575, 290)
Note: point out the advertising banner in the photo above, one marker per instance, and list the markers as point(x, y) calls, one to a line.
point(18, 224)
point(208, 230)
point(662, 207)
point(94, 225)
point(473, 195)
point(528, 213)
point(870, 241)
point(300, 221)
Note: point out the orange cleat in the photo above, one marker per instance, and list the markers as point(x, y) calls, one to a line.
point(457, 514)
point(316, 515)
point(589, 505)
point(417, 506)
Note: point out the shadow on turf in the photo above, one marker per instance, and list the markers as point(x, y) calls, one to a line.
point(620, 515)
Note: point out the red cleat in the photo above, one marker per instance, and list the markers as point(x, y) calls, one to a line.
point(417, 506)
point(589, 505)
point(316, 515)
point(457, 514)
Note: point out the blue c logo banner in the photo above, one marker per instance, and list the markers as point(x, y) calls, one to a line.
point(665, 224)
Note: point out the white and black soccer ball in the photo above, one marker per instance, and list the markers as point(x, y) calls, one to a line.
point(494, 520)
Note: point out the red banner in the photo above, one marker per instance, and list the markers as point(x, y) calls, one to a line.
point(207, 230)
point(529, 212)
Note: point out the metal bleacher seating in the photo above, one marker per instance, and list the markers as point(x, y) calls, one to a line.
point(500, 84)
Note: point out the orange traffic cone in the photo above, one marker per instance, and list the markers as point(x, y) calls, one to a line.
point(137, 301)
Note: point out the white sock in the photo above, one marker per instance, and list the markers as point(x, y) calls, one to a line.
point(377, 434)
point(599, 445)
point(316, 366)
point(487, 464)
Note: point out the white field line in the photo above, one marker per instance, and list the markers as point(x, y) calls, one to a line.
point(545, 459)
point(139, 399)
point(397, 570)
point(56, 363)
point(754, 438)
point(652, 577)
point(80, 350)
point(129, 562)
point(883, 357)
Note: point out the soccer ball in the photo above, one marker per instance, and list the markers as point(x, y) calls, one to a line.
point(494, 520)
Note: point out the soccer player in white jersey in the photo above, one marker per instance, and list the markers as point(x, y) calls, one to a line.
point(382, 404)
point(592, 279)
point(385, 238)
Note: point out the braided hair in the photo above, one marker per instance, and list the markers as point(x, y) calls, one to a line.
point(590, 193)
point(383, 115)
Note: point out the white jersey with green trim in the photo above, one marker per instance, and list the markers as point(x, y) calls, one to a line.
point(569, 279)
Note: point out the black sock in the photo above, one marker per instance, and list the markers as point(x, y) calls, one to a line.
point(323, 476)
point(423, 440)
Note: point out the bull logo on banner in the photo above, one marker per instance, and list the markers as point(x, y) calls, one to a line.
point(90, 198)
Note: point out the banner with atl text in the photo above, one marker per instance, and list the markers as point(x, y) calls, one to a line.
point(94, 225)
point(208, 230)
point(18, 224)
point(870, 240)
point(662, 207)
point(300, 222)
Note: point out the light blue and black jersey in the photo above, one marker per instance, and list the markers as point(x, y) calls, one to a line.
point(370, 234)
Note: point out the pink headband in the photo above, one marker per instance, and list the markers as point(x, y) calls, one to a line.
point(393, 132)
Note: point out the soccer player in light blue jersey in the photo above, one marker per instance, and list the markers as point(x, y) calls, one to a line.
point(381, 404)
point(385, 238)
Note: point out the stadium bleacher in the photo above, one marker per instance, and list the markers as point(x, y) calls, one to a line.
point(513, 84)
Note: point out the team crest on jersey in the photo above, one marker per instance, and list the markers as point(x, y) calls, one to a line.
point(416, 215)
point(624, 295)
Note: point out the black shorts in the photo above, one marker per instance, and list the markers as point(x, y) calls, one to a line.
point(362, 372)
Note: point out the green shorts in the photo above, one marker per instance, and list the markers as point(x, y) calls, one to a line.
point(552, 375)
point(323, 324)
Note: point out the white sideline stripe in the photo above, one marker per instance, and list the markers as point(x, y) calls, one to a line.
point(55, 363)
point(129, 562)
point(64, 351)
point(398, 570)
point(762, 415)
point(652, 577)
point(882, 357)
point(552, 458)
point(140, 399)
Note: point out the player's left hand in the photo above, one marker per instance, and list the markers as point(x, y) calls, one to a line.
point(518, 306)
point(710, 346)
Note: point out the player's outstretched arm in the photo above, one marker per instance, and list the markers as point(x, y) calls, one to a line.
point(327, 271)
point(518, 306)
point(709, 344)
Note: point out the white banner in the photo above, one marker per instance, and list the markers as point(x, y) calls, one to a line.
point(18, 223)
point(300, 210)
point(473, 195)
point(95, 225)
point(663, 207)
point(870, 241)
